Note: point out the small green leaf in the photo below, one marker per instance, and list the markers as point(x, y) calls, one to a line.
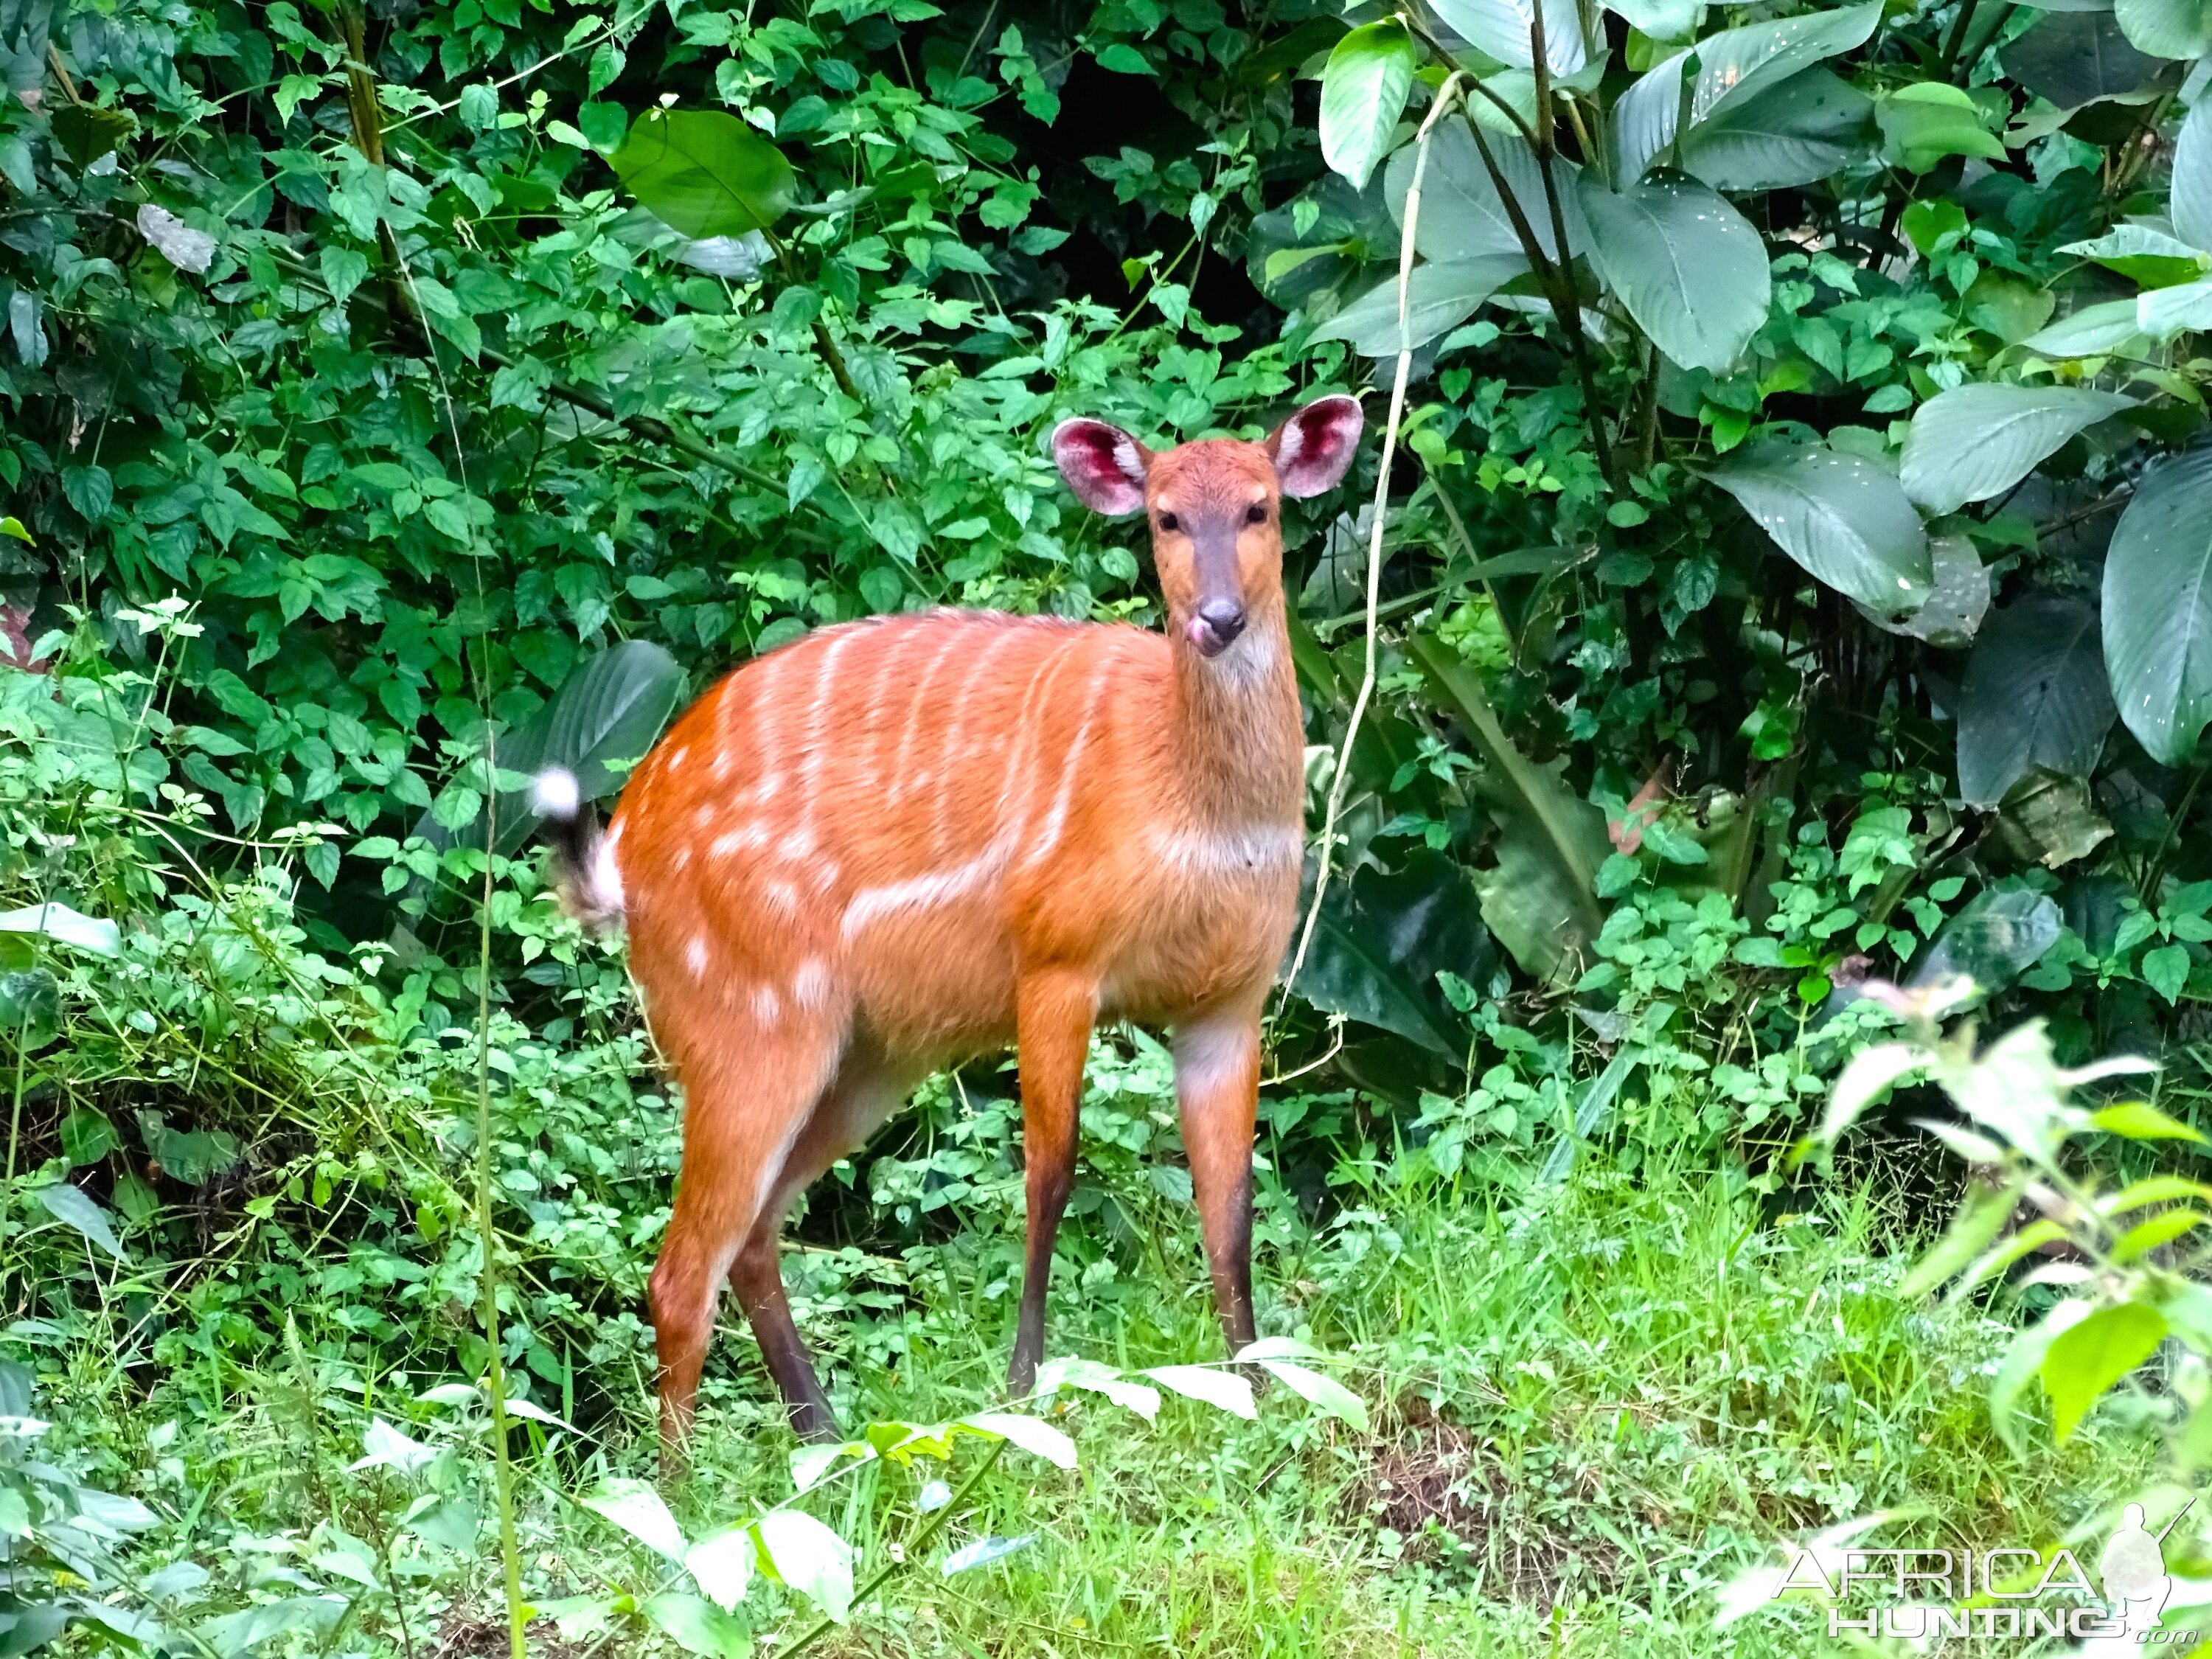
point(809, 1558)
point(2166, 970)
point(1325, 1393)
point(2156, 1232)
point(1224, 1390)
point(637, 1509)
point(73, 1208)
point(1039, 1439)
point(2138, 1120)
point(2087, 1359)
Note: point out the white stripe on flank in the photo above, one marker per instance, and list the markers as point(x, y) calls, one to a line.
point(1064, 793)
point(901, 781)
point(1226, 852)
point(974, 673)
point(922, 892)
point(736, 841)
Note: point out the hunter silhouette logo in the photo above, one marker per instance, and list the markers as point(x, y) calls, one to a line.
point(2005, 1592)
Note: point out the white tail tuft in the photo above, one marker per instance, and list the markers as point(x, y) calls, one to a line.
point(554, 793)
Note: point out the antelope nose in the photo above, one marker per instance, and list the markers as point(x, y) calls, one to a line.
point(1220, 621)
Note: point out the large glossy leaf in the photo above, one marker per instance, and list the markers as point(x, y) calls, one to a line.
point(1926, 121)
point(2085, 1360)
point(1382, 938)
point(1540, 900)
point(1500, 28)
point(1462, 216)
point(1659, 20)
point(1439, 295)
point(1318, 238)
point(609, 710)
point(2001, 933)
point(1734, 66)
point(704, 172)
point(1363, 89)
point(1793, 132)
point(2158, 608)
point(2165, 28)
point(2076, 58)
point(2143, 255)
point(2091, 331)
point(53, 920)
point(1976, 441)
point(1844, 518)
point(1953, 613)
point(2191, 202)
point(2035, 695)
point(1691, 269)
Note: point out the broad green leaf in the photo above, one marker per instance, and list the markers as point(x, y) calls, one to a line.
point(1321, 235)
point(1038, 1438)
point(1734, 66)
point(1979, 1219)
point(2035, 695)
point(73, 1208)
point(2157, 1190)
point(637, 1509)
point(2158, 608)
point(55, 920)
point(1090, 1374)
point(1362, 91)
point(2165, 28)
point(697, 1625)
point(1793, 132)
point(2190, 202)
point(1439, 296)
point(1691, 269)
point(2021, 1362)
point(1977, 441)
point(1224, 1389)
point(1382, 938)
point(384, 1446)
point(2091, 331)
point(1870, 1074)
point(809, 1558)
point(721, 1564)
point(2138, 1120)
point(1846, 519)
point(1501, 28)
point(1924, 123)
point(2163, 313)
point(982, 1553)
point(2001, 933)
point(1325, 1393)
point(2143, 255)
point(2076, 58)
point(2088, 1358)
point(1276, 1347)
point(1659, 20)
point(86, 132)
point(1541, 901)
point(1953, 610)
point(704, 173)
point(1462, 215)
point(1992, 1262)
point(1593, 1112)
point(2166, 970)
point(2048, 819)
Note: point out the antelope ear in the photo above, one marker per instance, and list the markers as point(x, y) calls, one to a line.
point(1312, 449)
point(1103, 465)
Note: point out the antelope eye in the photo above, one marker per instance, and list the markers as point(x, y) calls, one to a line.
point(1170, 523)
point(1256, 514)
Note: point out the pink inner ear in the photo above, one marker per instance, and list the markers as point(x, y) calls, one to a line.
point(1315, 446)
point(1103, 465)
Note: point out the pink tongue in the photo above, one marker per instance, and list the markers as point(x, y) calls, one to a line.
point(1199, 634)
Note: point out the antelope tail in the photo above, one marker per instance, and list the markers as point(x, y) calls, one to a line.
point(585, 877)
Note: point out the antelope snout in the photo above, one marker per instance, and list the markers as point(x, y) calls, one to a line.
point(1215, 626)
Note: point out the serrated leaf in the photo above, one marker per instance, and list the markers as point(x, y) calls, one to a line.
point(2035, 695)
point(1974, 442)
point(1224, 1390)
point(1363, 91)
point(1844, 518)
point(2158, 608)
point(637, 1509)
point(2087, 1359)
point(809, 1558)
point(1690, 269)
point(1039, 1439)
point(1325, 1393)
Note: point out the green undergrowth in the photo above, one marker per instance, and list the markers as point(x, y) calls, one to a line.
point(1589, 1413)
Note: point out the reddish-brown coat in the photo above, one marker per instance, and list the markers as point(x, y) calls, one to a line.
point(900, 843)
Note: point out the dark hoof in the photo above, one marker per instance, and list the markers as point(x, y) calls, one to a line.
point(812, 1421)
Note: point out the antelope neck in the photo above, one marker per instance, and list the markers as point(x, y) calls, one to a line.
point(1239, 742)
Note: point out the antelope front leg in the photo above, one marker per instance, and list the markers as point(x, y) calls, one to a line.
point(1053, 1016)
point(1218, 1091)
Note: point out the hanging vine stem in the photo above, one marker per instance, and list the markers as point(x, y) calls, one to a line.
point(1447, 95)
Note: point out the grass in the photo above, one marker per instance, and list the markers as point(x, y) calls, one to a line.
point(1590, 1411)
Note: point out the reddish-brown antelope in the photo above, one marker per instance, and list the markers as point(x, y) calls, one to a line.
point(897, 843)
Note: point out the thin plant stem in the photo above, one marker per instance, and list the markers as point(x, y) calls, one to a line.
point(1447, 95)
